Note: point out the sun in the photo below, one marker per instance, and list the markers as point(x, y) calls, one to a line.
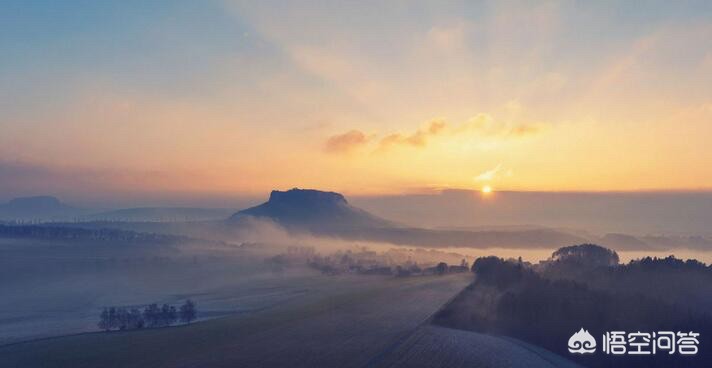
point(486, 189)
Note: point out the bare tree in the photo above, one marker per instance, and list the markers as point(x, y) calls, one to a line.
point(151, 315)
point(104, 322)
point(188, 311)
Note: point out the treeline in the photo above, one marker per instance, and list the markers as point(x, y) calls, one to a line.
point(152, 316)
point(363, 261)
point(64, 231)
point(584, 287)
point(71, 233)
point(686, 283)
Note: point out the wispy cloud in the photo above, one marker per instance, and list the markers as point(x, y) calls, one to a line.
point(481, 126)
point(417, 139)
point(346, 142)
point(486, 125)
point(489, 175)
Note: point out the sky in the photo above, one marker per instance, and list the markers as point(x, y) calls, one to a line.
point(221, 98)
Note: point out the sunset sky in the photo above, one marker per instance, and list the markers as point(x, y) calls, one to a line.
point(222, 97)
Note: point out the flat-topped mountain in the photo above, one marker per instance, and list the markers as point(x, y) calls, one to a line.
point(330, 214)
point(313, 210)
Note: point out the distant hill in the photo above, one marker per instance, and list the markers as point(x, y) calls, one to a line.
point(38, 208)
point(67, 232)
point(313, 210)
point(161, 214)
point(330, 214)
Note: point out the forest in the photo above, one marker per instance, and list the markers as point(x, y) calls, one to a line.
point(544, 304)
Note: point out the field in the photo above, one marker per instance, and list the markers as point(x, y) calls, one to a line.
point(343, 321)
point(250, 315)
point(435, 346)
point(50, 288)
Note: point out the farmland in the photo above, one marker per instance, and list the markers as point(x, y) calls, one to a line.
point(250, 313)
point(435, 346)
point(340, 321)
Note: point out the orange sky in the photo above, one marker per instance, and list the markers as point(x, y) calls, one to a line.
point(361, 99)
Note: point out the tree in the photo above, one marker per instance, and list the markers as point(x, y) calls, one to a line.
point(113, 321)
point(590, 255)
point(151, 315)
point(441, 268)
point(104, 322)
point(187, 311)
point(167, 315)
point(172, 315)
point(135, 319)
point(122, 318)
point(498, 272)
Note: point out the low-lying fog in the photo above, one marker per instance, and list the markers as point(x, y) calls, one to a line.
point(534, 255)
point(57, 287)
point(51, 287)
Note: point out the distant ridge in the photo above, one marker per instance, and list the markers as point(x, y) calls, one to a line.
point(161, 214)
point(313, 210)
point(37, 208)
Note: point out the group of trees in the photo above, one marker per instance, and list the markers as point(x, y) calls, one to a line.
point(585, 286)
point(362, 261)
point(58, 231)
point(152, 316)
point(591, 255)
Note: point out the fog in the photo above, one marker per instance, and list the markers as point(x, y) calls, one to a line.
point(637, 213)
point(52, 287)
point(535, 255)
point(56, 286)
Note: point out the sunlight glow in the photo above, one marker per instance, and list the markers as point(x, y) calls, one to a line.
point(486, 189)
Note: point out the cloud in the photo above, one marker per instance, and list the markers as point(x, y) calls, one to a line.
point(480, 126)
point(346, 142)
point(417, 139)
point(525, 129)
point(486, 125)
point(489, 174)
